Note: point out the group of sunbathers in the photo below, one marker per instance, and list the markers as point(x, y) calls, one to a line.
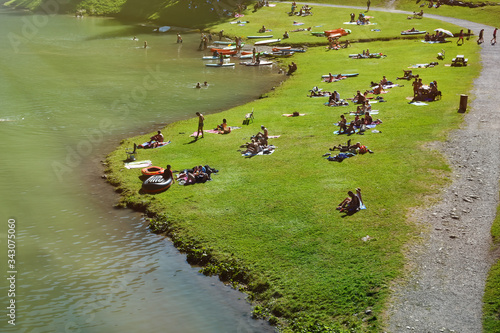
point(334, 43)
point(346, 151)
point(422, 92)
point(198, 174)
point(358, 123)
point(356, 148)
point(258, 143)
point(362, 19)
point(437, 37)
point(304, 10)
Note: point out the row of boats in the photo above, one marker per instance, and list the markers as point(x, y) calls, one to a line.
point(230, 50)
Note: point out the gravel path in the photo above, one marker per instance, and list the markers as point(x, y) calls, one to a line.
point(443, 289)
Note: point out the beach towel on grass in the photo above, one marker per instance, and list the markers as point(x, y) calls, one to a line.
point(267, 151)
point(340, 157)
point(213, 131)
point(338, 132)
point(418, 103)
point(362, 114)
point(292, 115)
point(147, 145)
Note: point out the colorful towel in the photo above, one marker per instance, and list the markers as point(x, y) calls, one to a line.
point(147, 145)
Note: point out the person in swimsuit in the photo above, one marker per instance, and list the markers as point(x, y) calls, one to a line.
point(200, 125)
point(167, 173)
point(351, 204)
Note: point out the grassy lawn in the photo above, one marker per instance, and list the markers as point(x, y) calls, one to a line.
point(269, 222)
point(491, 318)
point(276, 19)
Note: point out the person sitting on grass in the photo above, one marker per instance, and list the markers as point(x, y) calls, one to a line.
point(155, 140)
point(291, 68)
point(263, 136)
point(167, 173)
point(378, 89)
point(262, 30)
point(352, 203)
point(342, 124)
point(368, 120)
point(350, 129)
point(223, 128)
point(366, 106)
point(359, 98)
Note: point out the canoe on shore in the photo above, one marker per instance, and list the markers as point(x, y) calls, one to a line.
point(249, 55)
point(214, 57)
point(346, 75)
point(220, 42)
point(267, 41)
point(222, 51)
point(416, 32)
point(260, 63)
point(228, 64)
point(257, 37)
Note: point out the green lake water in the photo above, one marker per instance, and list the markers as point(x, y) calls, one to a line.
point(71, 89)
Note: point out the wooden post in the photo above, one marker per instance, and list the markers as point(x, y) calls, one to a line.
point(463, 103)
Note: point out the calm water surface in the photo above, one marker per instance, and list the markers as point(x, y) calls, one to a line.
point(70, 90)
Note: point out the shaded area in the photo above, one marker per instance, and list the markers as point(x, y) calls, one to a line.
point(190, 13)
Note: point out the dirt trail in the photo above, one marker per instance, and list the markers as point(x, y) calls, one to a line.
point(444, 288)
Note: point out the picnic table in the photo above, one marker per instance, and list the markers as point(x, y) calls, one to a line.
point(459, 61)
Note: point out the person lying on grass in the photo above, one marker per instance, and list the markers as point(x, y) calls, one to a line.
point(253, 147)
point(198, 174)
point(317, 92)
point(356, 148)
point(352, 203)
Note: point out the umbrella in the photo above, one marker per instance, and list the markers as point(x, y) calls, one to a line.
point(446, 32)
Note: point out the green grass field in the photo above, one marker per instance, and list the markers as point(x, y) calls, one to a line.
point(270, 221)
point(491, 299)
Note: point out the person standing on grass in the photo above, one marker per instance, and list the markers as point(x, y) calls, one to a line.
point(200, 125)
point(461, 37)
point(368, 3)
point(494, 39)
